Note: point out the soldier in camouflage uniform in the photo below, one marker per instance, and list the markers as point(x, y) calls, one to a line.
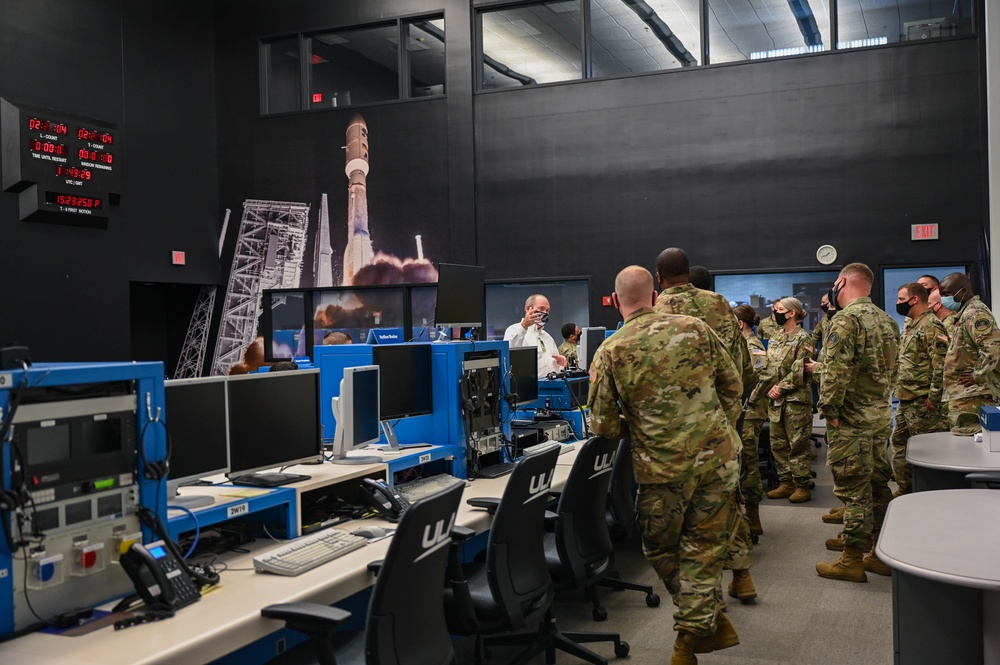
point(971, 375)
point(822, 328)
point(918, 386)
point(570, 333)
point(767, 328)
point(752, 487)
point(786, 390)
point(679, 392)
point(858, 374)
point(678, 296)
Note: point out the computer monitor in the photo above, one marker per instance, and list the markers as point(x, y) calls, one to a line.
point(356, 411)
point(197, 419)
point(283, 324)
point(524, 374)
point(404, 385)
point(761, 289)
point(460, 296)
point(273, 421)
point(590, 339)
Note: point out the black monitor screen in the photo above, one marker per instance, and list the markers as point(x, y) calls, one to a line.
point(405, 379)
point(364, 419)
point(273, 419)
point(197, 420)
point(460, 295)
point(524, 373)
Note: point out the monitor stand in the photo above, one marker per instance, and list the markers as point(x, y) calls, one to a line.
point(394, 447)
point(189, 501)
point(268, 479)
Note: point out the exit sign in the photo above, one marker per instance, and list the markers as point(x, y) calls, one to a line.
point(924, 232)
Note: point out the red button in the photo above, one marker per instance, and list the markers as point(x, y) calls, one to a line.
point(88, 559)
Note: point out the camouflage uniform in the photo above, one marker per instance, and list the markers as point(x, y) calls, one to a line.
point(950, 322)
point(921, 362)
point(858, 374)
point(679, 392)
point(820, 332)
point(714, 310)
point(974, 347)
point(766, 329)
point(791, 415)
point(569, 349)
point(753, 420)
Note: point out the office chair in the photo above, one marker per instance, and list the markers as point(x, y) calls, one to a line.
point(768, 465)
point(514, 589)
point(406, 623)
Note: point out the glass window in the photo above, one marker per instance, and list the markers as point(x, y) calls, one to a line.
point(350, 67)
point(425, 56)
point(755, 29)
point(528, 44)
point(760, 290)
point(894, 278)
point(280, 59)
point(630, 38)
point(874, 22)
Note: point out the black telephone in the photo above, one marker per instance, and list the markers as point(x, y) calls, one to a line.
point(389, 505)
point(160, 579)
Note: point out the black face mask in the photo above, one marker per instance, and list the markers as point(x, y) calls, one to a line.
point(825, 308)
point(903, 308)
point(834, 292)
point(780, 318)
point(830, 312)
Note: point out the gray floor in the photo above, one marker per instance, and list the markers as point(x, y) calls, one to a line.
point(799, 617)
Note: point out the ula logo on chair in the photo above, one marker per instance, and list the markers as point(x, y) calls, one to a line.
point(433, 541)
point(540, 485)
point(603, 464)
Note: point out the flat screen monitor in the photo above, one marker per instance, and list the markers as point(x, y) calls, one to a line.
point(460, 295)
point(197, 420)
point(355, 310)
point(284, 324)
point(404, 385)
point(569, 302)
point(356, 411)
point(590, 340)
point(524, 374)
point(423, 302)
point(273, 421)
point(761, 289)
point(893, 278)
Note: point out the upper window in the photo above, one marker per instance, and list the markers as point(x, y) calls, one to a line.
point(636, 37)
point(751, 29)
point(527, 44)
point(874, 22)
point(355, 66)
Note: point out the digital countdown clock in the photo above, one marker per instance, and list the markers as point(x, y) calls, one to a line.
point(63, 167)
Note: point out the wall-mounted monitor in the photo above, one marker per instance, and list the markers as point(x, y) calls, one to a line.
point(893, 278)
point(761, 289)
point(357, 309)
point(356, 411)
point(283, 321)
point(273, 422)
point(524, 374)
point(197, 418)
point(459, 296)
point(569, 299)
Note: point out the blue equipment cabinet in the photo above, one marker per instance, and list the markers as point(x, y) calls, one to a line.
point(72, 471)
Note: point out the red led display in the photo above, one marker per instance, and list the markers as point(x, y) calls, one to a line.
point(48, 147)
point(96, 156)
point(73, 172)
point(47, 126)
point(93, 135)
point(73, 201)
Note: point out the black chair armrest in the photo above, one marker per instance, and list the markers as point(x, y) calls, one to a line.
point(375, 566)
point(489, 503)
point(550, 521)
point(308, 618)
point(460, 534)
point(989, 478)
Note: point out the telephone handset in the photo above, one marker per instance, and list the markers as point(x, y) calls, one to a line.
point(388, 504)
point(159, 578)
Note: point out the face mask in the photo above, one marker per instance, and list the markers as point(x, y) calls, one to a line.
point(780, 318)
point(834, 292)
point(830, 312)
point(825, 308)
point(903, 308)
point(949, 302)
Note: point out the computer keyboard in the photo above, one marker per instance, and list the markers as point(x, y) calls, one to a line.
point(563, 448)
point(495, 470)
point(418, 489)
point(308, 552)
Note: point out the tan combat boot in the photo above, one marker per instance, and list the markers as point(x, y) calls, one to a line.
point(835, 544)
point(849, 567)
point(753, 514)
point(873, 564)
point(835, 516)
point(800, 495)
point(742, 587)
point(782, 491)
point(724, 637)
point(684, 649)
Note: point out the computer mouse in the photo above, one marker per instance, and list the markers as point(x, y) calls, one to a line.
point(370, 532)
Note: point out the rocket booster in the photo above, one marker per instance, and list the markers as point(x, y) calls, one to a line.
point(358, 252)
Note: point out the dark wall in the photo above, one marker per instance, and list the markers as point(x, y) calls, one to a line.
point(146, 67)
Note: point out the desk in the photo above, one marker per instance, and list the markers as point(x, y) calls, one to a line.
point(940, 460)
point(943, 549)
point(229, 618)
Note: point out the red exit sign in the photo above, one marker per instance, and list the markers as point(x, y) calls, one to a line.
point(924, 232)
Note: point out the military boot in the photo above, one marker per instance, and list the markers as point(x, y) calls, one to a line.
point(742, 587)
point(875, 565)
point(800, 495)
point(753, 514)
point(835, 544)
point(684, 649)
point(724, 637)
point(849, 567)
point(782, 491)
point(835, 516)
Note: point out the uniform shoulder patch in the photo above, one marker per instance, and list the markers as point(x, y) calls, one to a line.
point(593, 373)
point(833, 339)
point(809, 348)
point(983, 324)
point(944, 338)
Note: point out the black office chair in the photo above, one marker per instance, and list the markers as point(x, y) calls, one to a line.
point(768, 465)
point(514, 589)
point(406, 622)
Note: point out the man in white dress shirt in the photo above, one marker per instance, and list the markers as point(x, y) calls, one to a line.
point(530, 331)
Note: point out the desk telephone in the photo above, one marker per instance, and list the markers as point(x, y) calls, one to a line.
point(159, 577)
point(389, 505)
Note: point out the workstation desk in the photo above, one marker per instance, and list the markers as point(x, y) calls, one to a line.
point(943, 548)
point(941, 460)
point(228, 618)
